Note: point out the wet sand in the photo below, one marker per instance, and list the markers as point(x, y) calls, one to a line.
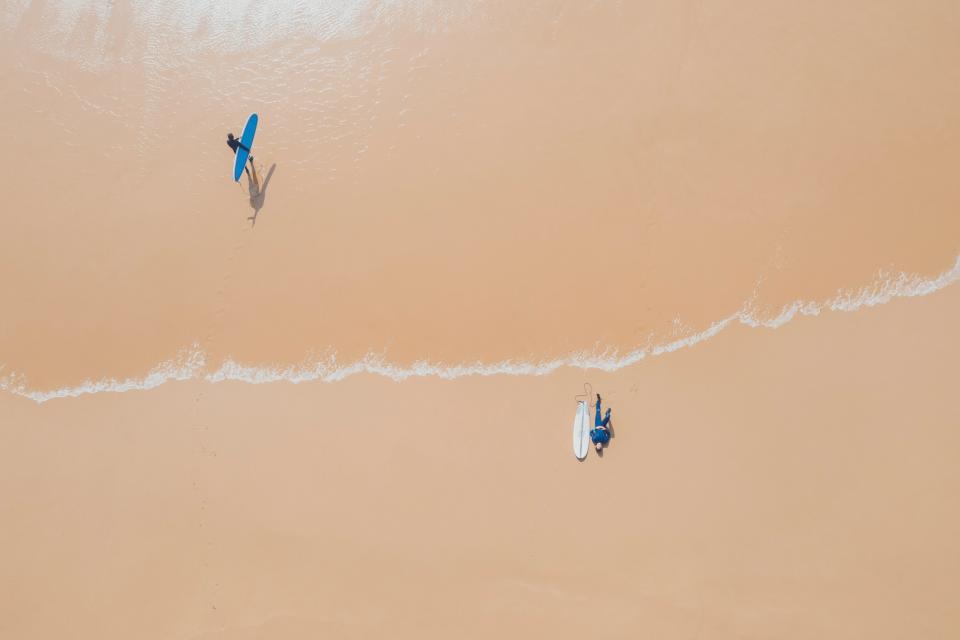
point(793, 483)
point(512, 184)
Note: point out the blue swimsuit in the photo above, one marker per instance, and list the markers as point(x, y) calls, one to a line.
point(600, 435)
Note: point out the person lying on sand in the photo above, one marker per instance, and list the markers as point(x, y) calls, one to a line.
point(235, 144)
point(600, 434)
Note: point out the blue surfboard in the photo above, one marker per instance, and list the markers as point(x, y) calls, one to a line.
point(246, 139)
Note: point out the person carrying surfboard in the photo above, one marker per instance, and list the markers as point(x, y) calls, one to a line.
point(600, 434)
point(236, 145)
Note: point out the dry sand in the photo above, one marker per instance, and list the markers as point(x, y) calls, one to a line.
point(476, 182)
point(797, 483)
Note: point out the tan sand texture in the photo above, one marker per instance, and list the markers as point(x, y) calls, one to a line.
point(479, 183)
point(489, 186)
point(794, 483)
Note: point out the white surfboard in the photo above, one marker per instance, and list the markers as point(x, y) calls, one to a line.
point(581, 430)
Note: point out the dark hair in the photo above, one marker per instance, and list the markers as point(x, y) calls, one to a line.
point(230, 135)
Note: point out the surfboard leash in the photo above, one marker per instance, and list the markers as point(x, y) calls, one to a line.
point(587, 392)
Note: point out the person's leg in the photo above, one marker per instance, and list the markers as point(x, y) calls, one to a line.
point(597, 421)
point(606, 420)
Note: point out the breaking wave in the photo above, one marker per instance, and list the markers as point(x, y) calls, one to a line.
point(191, 364)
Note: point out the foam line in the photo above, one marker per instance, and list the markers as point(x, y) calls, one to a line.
point(187, 366)
point(190, 364)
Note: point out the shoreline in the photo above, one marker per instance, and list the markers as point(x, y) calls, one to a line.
point(492, 190)
point(350, 416)
point(191, 363)
point(797, 494)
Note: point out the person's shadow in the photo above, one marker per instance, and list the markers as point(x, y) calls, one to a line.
point(258, 193)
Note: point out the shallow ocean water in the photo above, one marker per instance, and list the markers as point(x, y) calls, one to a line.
point(466, 188)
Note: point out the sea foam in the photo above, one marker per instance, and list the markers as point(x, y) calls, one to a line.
point(191, 363)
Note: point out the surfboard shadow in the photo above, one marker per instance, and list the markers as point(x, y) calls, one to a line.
point(258, 194)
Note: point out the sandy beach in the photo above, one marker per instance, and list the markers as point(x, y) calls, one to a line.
point(793, 483)
point(353, 418)
point(502, 184)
